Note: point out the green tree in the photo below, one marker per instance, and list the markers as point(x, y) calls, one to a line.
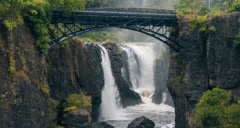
point(10, 13)
point(233, 114)
point(209, 111)
point(213, 110)
point(68, 5)
point(189, 6)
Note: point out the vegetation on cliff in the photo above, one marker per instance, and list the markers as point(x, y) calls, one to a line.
point(199, 14)
point(77, 100)
point(213, 110)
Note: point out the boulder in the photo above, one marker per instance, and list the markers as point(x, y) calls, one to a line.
point(101, 125)
point(141, 122)
point(77, 118)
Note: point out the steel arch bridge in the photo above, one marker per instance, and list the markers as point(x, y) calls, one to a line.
point(152, 22)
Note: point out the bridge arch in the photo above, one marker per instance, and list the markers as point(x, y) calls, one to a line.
point(159, 36)
point(152, 22)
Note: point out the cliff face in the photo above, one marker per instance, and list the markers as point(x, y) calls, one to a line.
point(74, 69)
point(206, 61)
point(33, 86)
point(23, 101)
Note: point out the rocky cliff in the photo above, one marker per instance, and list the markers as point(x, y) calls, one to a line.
point(76, 68)
point(23, 99)
point(208, 60)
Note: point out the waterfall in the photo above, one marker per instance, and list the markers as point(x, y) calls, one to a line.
point(133, 68)
point(110, 106)
point(138, 70)
point(140, 67)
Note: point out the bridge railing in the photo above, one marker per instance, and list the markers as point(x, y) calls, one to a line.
point(141, 13)
point(140, 10)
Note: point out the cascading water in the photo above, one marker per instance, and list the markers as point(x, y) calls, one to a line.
point(139, 70)
point(145, 57)
point(110, 108)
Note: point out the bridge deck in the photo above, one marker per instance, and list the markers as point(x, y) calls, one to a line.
point(116, 16)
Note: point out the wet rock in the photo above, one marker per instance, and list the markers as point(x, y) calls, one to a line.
point(101, 125)
point(128, 97)
point(77, 118)
point(161, 67)
point(141, 122)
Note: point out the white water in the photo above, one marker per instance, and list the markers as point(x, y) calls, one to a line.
point(140, 66)
point(110, 107)
point(145, 58)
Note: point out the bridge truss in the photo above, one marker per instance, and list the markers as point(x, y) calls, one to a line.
point(152, 22)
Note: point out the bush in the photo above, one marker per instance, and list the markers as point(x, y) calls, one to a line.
point(233, 116)
point(213, 29)
point(46, 90)
point(213, 110)
point(77, 100)
point(236, 42)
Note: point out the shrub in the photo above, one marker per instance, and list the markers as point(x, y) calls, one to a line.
point(213, 110)
point(11, 67)
point(52, 103)
point(212, 28)
point(236, 42)
point(233, 116)
point(77, 100)
point(46, 90)
point(189, 6)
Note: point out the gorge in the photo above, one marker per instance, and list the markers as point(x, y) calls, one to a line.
point(34, 87)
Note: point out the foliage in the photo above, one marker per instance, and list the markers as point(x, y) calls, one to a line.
point(212, 28)
point(22, 75)
point(236, 42)
point(119, 47)
point(70, 108)
point(77, 100)
point(203, 11)
point(233, 115)
point(160, 57)
point(53, 115)
point(199, 21)
point(216, 11)
point(201, 14)
point(46, 90)
point(11, 67)
point(38, 15)
point(107, 3)
point(67, 5)
point(189, 6)
point(213, 110)
point(209, 110)
point(232, 5)
point(53, 103)
point(102, 36)
point(10, 13)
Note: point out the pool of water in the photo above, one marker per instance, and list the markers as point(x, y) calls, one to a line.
point(162, 115)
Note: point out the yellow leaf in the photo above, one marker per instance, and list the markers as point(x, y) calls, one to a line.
point(34, 12)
